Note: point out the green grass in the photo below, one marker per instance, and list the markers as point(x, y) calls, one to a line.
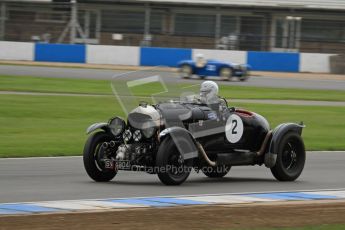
point(55, 125)
point(37, 84)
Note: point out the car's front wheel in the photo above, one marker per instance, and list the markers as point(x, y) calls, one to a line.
point(186, 71)
point(94, 157)
point(290, 158)
point(226, 73)
point(172, 169)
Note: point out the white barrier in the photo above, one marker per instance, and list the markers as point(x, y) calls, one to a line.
point(314, 63)
point(116, 55)
point(20, 51)
point(239, 57)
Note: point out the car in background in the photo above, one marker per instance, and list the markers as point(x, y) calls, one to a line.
point(204, 68)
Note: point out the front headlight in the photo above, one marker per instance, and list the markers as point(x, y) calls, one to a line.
point(148, 132)
point(117, 126)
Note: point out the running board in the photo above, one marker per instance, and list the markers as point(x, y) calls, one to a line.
point(233, 159)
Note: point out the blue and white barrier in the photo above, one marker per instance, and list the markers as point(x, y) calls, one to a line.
point(269, 61)
point(155, 56)
point(60, 53)
point(19, 51)
point(67, 206)
point(118, 55)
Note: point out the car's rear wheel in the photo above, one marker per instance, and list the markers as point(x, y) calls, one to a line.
point(186, 71)
point(172, 169)
point(225, 73)
point(216, 172)
point(290, 158)
point(93, 157)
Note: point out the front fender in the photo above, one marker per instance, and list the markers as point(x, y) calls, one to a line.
point(278, 133)
point(183, 139)
point(99, 125)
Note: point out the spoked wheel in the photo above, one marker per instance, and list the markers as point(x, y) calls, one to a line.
point(290, 159)
point(186, 71)
point(225, 73)
point(216, 172)
point(94, 157)
point(173, 170)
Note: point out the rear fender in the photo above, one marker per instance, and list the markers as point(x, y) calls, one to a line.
point(100, 125)
point(183, 139)
point(278, 133)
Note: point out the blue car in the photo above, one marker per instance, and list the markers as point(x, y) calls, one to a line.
point(203, 68)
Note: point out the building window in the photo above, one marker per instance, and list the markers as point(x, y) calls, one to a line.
point(156, 23)
point(323, 30)
point(51, 17)
point(228, 25)
point(195, 25)
point(123, 21)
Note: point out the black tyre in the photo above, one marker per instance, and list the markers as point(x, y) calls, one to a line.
point(290, 159)
point(186, 71)
point(92, 160)
point(216, 172)
point(172, 169)
point(243, 78)
point(225, 73)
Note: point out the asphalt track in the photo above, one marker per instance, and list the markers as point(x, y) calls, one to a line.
point(64, 178)
point(84, 73)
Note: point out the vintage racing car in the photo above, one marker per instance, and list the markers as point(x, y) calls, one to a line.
point(203, 68)
point(201, 133)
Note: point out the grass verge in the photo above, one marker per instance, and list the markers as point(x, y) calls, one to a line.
point(39, 84)
point(55, 125)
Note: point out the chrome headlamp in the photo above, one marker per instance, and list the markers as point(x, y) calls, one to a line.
point(137, 135)
point(117, 126)
point(148, 132)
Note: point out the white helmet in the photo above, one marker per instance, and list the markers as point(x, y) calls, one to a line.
point(209, 92)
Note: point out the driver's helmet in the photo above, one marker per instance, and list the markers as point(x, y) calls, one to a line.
point(209, 92)
point(200, 60)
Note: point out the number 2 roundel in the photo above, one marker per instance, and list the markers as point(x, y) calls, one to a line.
point(234, 128)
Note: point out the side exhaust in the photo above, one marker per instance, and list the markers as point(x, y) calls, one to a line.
point(246, 158)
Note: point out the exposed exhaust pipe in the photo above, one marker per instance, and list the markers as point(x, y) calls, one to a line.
point(203, 153)
point(264, 143)
point(213, 163)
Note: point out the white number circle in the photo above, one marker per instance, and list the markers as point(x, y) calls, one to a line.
point(234, 128)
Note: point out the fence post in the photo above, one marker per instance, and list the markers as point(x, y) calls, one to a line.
point(217, 28)
point(2, 20)
point(74, 21)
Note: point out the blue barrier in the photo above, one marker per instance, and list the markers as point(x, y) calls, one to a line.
point(60, 53)
point(154, 56)
point(270, 61)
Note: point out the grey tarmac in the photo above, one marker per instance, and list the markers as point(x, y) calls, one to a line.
point(64, 178)
point(106, 74)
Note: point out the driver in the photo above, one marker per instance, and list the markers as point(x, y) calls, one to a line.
point(209, 92)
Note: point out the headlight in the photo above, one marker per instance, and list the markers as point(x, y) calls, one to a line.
point(116, 125)
point(149, 132)
point(137, 135)
point(127, 135)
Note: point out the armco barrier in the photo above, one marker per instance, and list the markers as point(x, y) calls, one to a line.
point(113, 55)
point(60, 53)
point(233, 56)
point(151, 56)
point(270, 61)
point(20, 51)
